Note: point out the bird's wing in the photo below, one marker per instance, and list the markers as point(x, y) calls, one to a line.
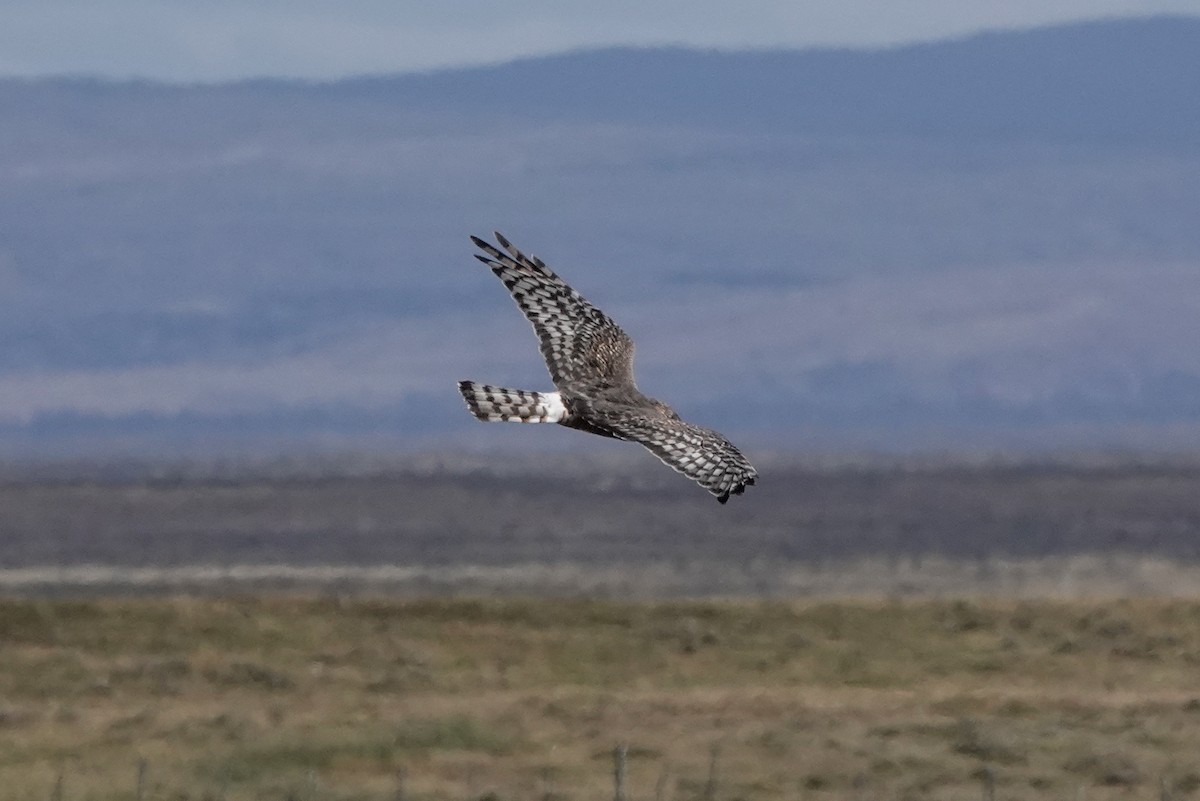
point(582, 346)
point(701, 454)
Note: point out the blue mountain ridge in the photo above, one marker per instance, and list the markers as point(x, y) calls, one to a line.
point(989, 240)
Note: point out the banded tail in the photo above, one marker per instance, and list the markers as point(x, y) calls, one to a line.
point(512, 405)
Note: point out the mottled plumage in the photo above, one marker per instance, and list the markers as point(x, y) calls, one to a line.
point(591, 363)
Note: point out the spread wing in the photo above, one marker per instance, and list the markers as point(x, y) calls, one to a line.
point(583, 348)
point(701, 454)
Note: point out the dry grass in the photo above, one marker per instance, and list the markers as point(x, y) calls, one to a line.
point(321, 698)
point(1076, 577)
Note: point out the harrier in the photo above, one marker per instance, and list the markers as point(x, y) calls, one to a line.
point(591, 363)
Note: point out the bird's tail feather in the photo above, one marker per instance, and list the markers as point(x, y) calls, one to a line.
point(512, 405)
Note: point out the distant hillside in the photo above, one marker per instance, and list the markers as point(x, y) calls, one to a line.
point(1116, 82)
point(976, 243)
point(1119, 82)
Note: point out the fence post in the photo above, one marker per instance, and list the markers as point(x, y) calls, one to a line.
point(140, 792)
point(988, 778)
point(401, 775)
point(546, 779)
point(620, 755)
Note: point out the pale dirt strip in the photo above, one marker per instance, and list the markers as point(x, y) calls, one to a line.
point(1094, 576)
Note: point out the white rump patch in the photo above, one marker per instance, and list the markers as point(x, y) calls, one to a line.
point(556, 411)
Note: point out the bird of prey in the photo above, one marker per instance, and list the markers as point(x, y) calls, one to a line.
point(591, 363)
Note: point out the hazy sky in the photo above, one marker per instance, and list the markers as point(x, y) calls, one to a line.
point(206, 40)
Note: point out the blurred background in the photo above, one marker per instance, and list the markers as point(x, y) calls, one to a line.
point(242, 228)
point(897, 256)
point(933, 265)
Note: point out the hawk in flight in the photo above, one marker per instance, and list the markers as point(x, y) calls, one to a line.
point(591, 363)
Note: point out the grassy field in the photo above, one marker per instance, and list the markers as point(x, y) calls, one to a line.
point(328, 699)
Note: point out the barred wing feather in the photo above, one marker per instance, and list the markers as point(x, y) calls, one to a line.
point(583, 348)
point(701, 454)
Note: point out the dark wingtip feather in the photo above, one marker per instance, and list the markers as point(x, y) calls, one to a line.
point(512, 250)
point(488, 248)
